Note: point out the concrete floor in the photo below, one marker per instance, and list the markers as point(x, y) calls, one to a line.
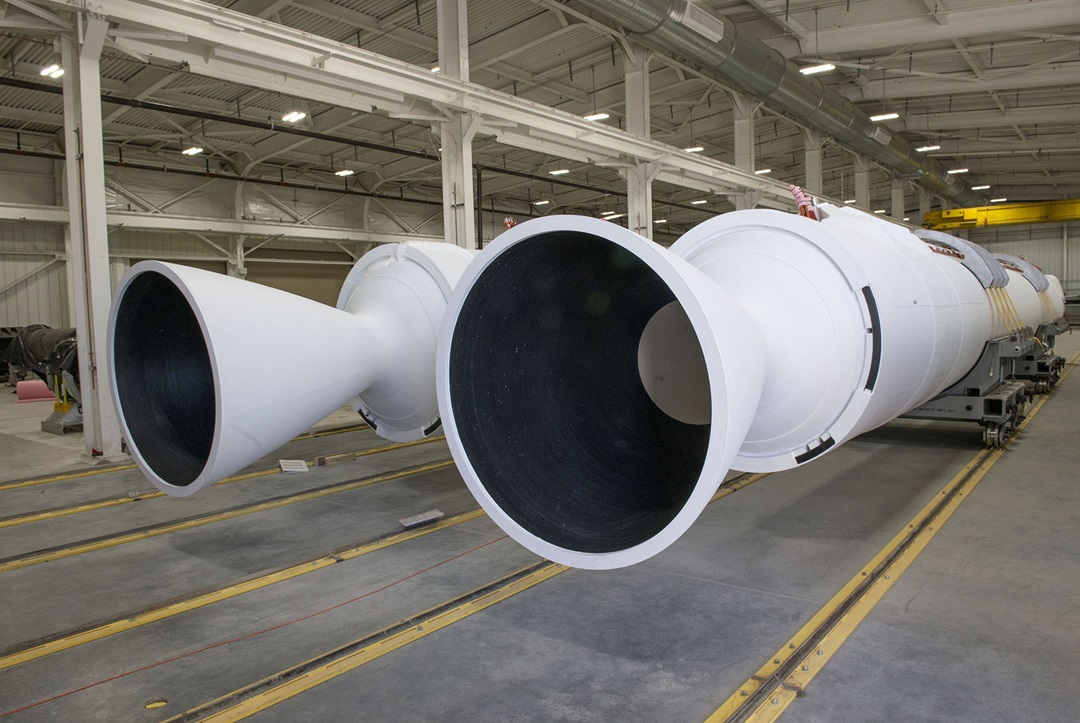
point(983, 626)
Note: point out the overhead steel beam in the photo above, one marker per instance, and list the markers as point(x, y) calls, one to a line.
point(1063, 74)
point(234, 47)
point(962, 24)
point(1034, 115)
point(207, 224)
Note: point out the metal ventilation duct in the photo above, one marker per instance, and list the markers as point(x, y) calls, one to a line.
point(715, 44)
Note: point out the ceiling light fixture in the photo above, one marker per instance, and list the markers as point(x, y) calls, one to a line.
point(884, 117)
point(924, 149)
point(344, 172)
point(596, 116)
point(998, 200)
point(762, 171)
point(660, 220)
point(436, 69)
point(699, 201)
point(812, 69)
point(979, 188)
point(694, 149)
point(541, 203)
point(850, 201)
point(880, 210)
point(954, 171)
point(192, 151)
point(52, 71)
point(294, 116)
point(559, 171)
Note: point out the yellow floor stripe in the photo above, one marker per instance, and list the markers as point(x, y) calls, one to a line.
point(125, 467)
point(67, 476)
point(78, 549)
point(153, 494)
point(737, 484)
point(784, 692)
point(166, 611)
point(230, 591)
point(355, 659)
point(329, 432)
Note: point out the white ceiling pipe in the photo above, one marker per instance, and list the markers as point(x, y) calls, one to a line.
point(571, 410)
point(211, 373)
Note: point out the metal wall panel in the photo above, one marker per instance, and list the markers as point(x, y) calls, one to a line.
point(30, 250)
point(1043, 245)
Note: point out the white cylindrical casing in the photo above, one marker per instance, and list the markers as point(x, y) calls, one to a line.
point(863, 322)
point(832, 328)
point(401, 292)
point(210, 373)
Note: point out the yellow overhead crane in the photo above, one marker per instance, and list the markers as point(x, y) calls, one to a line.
point(1004, 214)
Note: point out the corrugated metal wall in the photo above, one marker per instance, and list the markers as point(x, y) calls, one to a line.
point(42, 298)
point(1044, 245)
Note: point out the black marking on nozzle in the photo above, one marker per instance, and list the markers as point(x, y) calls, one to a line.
point(825, 445)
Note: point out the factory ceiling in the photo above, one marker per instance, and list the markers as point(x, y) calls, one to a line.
point(994, 85)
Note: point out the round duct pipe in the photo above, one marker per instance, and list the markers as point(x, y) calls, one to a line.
point(596, 387)
point(210, 373)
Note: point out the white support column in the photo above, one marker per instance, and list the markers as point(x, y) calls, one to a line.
point(456, 134)
point(862, 182)
point(1064, 252)
point(639, 177)
point(898, 202)
point(925, 199)
point(814, 143)
point(458, 187)
point(743, 109)
point(85, 171)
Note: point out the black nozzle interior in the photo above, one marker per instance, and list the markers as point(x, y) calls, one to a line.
point(548, 400)
point(164, 378)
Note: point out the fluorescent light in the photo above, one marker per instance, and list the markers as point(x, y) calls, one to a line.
point(660, 220)
point(559, 171)
point(884, 117)
point(906, 218)
point(541, 203)
point(998, 200)
point(924, 149)
point(823, 68)
point(607, 213)
point(596, 116)
point(293, 116)
point(954, 171)
point(436, 69)
point(193, 151)
point(979, 188)
point(850, 201)
point(700, 201)
point(53, 71)
point(694, 149)
point(613, 216)
point(880, 210)
point(344, 172)
point(762, 171)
